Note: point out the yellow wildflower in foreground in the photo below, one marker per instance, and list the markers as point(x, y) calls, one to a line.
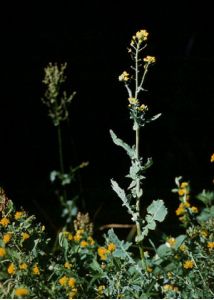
point(111, 247)
point(124, 76)
point(149, 59)
point(210, 245)
point(25, 236)
point(63, 280)
point(83, 244)
point(212, 158)
point(170, 242)
point(100, 289)
point(18, 215)
point(2, 252)
point(102, 253)
point(21, 292)
point(188, 264)
point(4, 222)
point(73, 293)
point(67, 265)
point(71, 282)
point(36, 270)
point(7, 237)
point(11, 269)
point(23, 266)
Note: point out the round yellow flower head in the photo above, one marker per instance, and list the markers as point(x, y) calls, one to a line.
point(100, 289)
point(170, 242)
point(7, 237)
point(23, 266)
point(83, 244)
point(149, 59)
point(11, 269)
point(71, 282)
point(142, 35)
point(111, 247)
point(188, 264)
point(2, 252)
point(18, 215)
point(21, 292)
point(133, 101)
point(210, 245)
point(67, 265)
point(36, 270)
point(124, 76)
point(25, 236)
point(4, 222)
point(102, 253)
point(63, 280)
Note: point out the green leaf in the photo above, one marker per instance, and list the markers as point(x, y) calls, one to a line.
point(130, 150)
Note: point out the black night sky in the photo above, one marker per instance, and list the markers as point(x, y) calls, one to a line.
point(92, 37)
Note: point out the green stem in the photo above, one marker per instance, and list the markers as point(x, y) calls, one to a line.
point(61, 162)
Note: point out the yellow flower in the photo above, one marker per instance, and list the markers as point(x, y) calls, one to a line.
point(67, 265)
point(21, 292)
point(25, 236)
point(63, 280)
point(149, 269)
point(71, 282)
point(11, 269)
point(167, 287)
point(100, 289)
point(212, 158)
point(142, 35)
point(91, 240)
point(2, 252)
point(23, 266)
point(83, 244)
point(149, 59)
point(69, 235)
point(184, 184)
point(18, 215)
point(102, 253)
point(111, 247)
point(188, 264)
point(4, 222)
point(182, 191)
point(7, 237)
point(204, 233)
point(133, 101)
point(171, 242)
point(73, 293)
point(124, 76)
point(210, 245)
point(36, 270)
point(183, 248)
point(194, 209)
point(143, 107)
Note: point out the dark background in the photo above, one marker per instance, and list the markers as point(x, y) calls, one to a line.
point(92, 37)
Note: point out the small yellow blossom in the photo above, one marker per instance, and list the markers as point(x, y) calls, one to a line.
point(36, 270)
point(142, 35)
point(182, 191)
point(102, 253)
point(2, 252)
point(4, 222)
point(7, 237)
point(149, 269)
point(73, 293)
point(11, 269)
point(188, 264)
point(67, 265)
point(100, 289)
point(111, 247)
point(204, 233)
point(133, 101)
point(149, 59)
point(23, 266)
point(183, 248)
point(21, 292)
point(83, 244)
point(184, 185)
point(124, 76)
point(25, 236)
point(212, 158)
point(167, 287)
point(71, 282)
point(143, 108)
point(77, 237)
point(18, 215)
point(91, 240)
point(68, 235)
point(63, 280)
point(210, 245)
point(194, 209)
point(171, 242)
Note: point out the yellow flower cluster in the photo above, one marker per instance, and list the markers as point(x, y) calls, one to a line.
point(7, 237)
point(170, 242)
point(71, 283)
point(23, 266)
point(2, 252)
point(103, 252)
point(210, 245)
point(170, 287)
point(67, 265)
point(149, 59)
point(11, 269)
point(139, 37)
point(188, 264)
point(133, 101)
point(25, 236)
point(124, 76)
point(21, 292)
point(101, 289)
point(4, 222)
point(18, 215)
point(36, 270)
